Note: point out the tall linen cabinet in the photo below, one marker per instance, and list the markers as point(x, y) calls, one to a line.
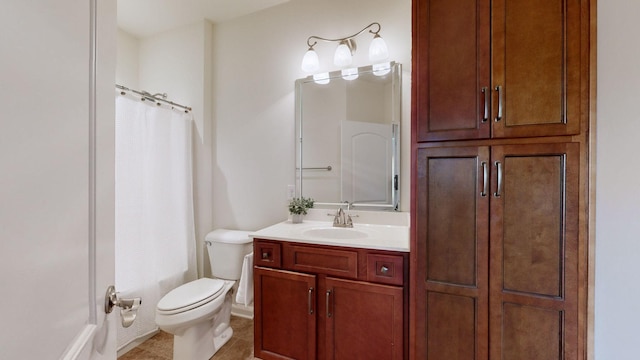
point(501, 109)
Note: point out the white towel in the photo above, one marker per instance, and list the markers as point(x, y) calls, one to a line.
point(245, 287)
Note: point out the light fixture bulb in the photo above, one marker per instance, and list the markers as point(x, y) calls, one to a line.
point(381, 69)
point(378, 50)
point(350, 74)
point(310, 61)
point(322, 78)
point(342, 56)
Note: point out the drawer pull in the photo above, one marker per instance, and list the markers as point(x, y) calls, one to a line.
point(499, 186)
point(265, 255)
point(485, 115)
point(310, 300)
point(384, 270)
point(485, 179)
point(499, 90)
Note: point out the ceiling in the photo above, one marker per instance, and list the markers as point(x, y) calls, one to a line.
point(143, 18)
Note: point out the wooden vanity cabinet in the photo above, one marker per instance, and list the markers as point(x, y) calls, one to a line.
point(325, 302)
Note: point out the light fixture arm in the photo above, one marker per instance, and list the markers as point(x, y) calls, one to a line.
point(344, 38)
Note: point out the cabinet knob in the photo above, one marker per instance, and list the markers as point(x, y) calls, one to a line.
point(265, 255)
point(384, 270)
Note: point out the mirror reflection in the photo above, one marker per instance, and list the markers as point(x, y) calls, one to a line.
point(348, 146)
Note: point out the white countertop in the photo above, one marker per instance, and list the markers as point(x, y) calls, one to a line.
point(371, 235)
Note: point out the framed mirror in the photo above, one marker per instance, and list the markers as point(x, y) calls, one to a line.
point(348, 139)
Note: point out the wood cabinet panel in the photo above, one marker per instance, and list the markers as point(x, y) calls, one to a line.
point(532, 333)
point(453, 54)
point(451, 327)
point(532, 223)
point(267, 253)
point(537, 63)
point(535, 249)
point(385, 269)
point(452, 232)
point(336, 262)
point(363, 320)
point(285, 320)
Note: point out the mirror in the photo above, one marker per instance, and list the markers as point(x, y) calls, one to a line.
point(348, 139)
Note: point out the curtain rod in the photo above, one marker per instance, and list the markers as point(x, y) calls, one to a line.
point(153, 97)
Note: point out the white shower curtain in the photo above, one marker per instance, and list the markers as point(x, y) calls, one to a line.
point(155, 241)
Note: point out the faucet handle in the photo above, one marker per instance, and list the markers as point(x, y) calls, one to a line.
point(339, 220)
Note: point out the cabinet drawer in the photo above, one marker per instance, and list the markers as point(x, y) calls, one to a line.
point(385, 269)
point(343, 263)
point(266, 253)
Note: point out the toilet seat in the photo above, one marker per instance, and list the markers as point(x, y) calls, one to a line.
point(190, 296)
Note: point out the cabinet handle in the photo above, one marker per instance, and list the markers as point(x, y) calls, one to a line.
point(499, 90)
point(485, 179)
point(310, 300)
point(265, 255)
point(499, 187)
point(327, 301)
point(485, 115)
point(384, 270)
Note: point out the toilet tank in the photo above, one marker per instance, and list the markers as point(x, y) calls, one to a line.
point(227, 249)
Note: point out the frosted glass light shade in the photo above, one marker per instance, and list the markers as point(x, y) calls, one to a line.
point(378, 50)
point(350, 74)
point(310, 61)
point(322, 78)
point(381, 69)
point(342, 56)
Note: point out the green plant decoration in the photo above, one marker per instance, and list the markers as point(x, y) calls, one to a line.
point(299, 206)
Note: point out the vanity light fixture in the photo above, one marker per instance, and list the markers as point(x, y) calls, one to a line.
point(343, 57)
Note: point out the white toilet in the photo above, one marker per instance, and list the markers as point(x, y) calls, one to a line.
point(198, 313)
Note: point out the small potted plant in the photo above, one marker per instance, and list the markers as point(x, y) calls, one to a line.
point(298, 208)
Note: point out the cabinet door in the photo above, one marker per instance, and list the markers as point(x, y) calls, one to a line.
point(537, 67)
point(363, 320)
point(451, 69)
point(285, 319)
point(452, 203)
point(534, 252)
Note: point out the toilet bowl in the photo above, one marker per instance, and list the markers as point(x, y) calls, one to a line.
point(198, 313)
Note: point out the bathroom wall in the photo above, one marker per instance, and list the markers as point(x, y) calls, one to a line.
point(256, 62)
point(618, 172)
point(128, 60)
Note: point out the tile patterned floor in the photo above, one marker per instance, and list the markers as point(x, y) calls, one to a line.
point(160, 347)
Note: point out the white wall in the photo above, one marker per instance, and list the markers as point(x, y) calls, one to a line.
point(617, 313)
point(256, 62)
point(128, 60)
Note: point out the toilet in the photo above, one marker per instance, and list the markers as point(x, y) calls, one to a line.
point(198, 313)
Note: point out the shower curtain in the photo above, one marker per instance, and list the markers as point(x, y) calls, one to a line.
point(155, 241)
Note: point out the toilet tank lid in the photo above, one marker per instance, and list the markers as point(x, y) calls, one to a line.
point(229, 236)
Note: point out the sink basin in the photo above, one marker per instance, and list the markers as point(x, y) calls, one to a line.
point(335, 233)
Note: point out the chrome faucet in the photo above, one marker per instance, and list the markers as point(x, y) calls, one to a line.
point(342, 219)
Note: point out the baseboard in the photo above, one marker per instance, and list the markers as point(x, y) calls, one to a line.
point(135, 342)
point(242, 311)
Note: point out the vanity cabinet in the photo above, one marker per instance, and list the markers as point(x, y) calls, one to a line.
point(325, 302)
point(499, 69)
